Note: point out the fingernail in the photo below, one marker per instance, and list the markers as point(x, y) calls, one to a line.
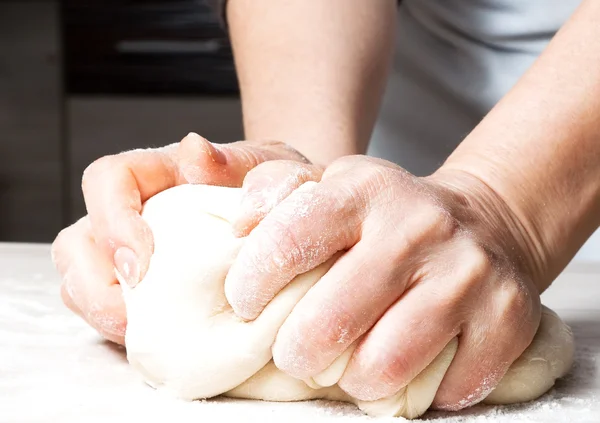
point(127, 265)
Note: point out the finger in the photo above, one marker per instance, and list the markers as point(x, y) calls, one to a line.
point(60, 259)
point(303, 231)
point(114, 189)
point(203, 162)
point(405, 340)
point(65, 295)
point(334, 313)
point(242, 156)
point(488, 346)
point(358, 289)
point(267, 185)
point(89, 287)
point(420, 324)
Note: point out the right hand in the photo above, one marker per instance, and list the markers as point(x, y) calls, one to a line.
point(113, 234)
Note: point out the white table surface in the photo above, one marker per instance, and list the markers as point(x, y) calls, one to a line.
point(54, 368)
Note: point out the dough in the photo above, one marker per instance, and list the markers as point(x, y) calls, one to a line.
point(184, 339)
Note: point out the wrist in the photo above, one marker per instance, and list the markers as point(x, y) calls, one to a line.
point(538, 149)
point(508, 233)
point(552, 195)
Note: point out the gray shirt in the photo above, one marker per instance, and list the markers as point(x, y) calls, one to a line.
point(454, 60)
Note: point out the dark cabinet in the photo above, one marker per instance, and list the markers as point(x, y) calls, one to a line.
point(146, 47)
point(80, 79)
point(31, 183)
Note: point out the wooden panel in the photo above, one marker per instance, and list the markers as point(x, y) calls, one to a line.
point(101, 126)
point(30, 170)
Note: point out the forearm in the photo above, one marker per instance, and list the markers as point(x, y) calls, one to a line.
point(312, 72)
point(539, 148)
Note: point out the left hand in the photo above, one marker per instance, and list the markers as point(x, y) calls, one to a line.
point(113, 234)
point(423, 260)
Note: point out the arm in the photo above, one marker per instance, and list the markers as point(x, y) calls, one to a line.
point(312, 72)
point(539, 148)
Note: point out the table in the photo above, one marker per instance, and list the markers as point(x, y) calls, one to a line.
point(54, 368)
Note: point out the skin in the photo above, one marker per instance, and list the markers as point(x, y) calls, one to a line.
point(318, 84)
point(113, 234)
point(464, 252)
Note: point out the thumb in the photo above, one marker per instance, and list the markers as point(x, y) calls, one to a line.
point(203, 162)
point(114, 189)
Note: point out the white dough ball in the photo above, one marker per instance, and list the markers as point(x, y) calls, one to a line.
point(183, 337)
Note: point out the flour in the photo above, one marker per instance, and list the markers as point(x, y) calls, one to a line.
point(55, 368)
point(178, 344)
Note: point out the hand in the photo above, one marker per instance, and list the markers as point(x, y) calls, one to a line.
point(423, 260)
point(114, 234)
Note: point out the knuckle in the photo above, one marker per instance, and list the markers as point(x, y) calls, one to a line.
point(299, 173)
point(71, 290)
point(516, 302)
point(432, 223)
point(375, 377)
point(285, 250)
point(276, 176)
point(106, 321)
point(335, 326)
point(64, 241)
point(280, 150)
point(440, 224)
point(58, 244)
point(343, 164)
point(96, 169)
point(59, 250)
point(372, 173)
point(266, 170)
point(472, 265)
point(289, 237)
point(479, 262)
point(314, 337)
point(454, 399)
point(462, 390)
point(378, 371)
point(394, 370)
point(470, 272)
point(519, 312)
point(67, 298)
point(296, 355)
point(365, 164)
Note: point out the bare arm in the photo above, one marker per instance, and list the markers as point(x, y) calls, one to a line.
point(312, 72)
point(539, 148)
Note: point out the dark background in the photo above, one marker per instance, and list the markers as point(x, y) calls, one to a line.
point(80, 79)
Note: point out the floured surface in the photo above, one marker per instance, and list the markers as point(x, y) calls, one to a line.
point(53, 367)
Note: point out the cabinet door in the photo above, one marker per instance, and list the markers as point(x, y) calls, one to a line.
point(30, 110)
point(148, 47)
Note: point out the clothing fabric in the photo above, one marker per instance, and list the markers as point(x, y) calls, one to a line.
point(454, 60)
